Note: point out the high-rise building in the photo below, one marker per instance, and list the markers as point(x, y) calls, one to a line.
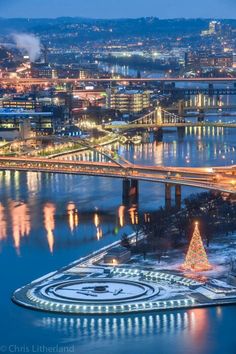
point(128, 101)
point(215, 27)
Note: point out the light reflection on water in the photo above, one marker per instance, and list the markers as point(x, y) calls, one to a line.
point(125, 326)
point(189, 329)
point(20, 219)
point(40, 213)
point(3, 223)
point(73, 216)
point(49, 223)
point(17, 208)
point(15, 218)
point(196, 147)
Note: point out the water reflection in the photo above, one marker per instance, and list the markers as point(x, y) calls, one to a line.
point(3, 224)
point(97, 224)
point(17, 218)
point(20, 221)
point(73, 217)
point(201, 146)
point(49, 223)
point(199, 327)
point(121, 215)
point(123, 327)
point(134, 215)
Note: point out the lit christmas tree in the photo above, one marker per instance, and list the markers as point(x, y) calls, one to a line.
point(196, 258)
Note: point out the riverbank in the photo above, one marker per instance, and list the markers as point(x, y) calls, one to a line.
point(88, 286)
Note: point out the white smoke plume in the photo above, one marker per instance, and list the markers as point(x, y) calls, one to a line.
point(29, 44)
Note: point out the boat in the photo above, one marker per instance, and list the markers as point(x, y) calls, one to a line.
point(136, 139)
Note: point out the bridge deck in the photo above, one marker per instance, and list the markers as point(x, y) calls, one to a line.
point(221, 179)
point(170, 125)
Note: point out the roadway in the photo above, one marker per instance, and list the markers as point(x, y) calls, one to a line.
point(35, 81)
point(170, 125)
point(219, 179)
point(210, 107)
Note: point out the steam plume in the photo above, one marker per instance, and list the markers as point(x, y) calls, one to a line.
point(28, 43)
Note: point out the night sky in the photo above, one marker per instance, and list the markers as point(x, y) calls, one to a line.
point(118, 8)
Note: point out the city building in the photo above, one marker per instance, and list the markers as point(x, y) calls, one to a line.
point(19, 123)
point(42, 70)
point(21, 102)
point(215, 27)
point(202, 59)
point(128, 101)
point(117, 255)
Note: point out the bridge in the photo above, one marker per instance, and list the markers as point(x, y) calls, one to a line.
point(201, 107)
point(55, 81)
point(160, 118)
point(222, 179)
point(193, 91)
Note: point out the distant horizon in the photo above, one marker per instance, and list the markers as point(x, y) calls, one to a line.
point(119, 18)
point(122, 9)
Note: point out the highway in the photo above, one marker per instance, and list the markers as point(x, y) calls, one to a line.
point(219, 179)
point(170, 125)
point(35, 81)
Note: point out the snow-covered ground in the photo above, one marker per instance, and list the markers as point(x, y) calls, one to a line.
point(221, 251)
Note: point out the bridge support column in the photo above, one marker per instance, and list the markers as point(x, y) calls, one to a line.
point(181, 108)
point(158, 134)
point(168, 196)
point(162, 87)
point(211, 90)
point(130, 192)
point(178, 196)
point(126, 190)
point(181, 132)
point(201, 115)
point(134, 191)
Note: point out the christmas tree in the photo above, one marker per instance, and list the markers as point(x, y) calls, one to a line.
point(196, 258)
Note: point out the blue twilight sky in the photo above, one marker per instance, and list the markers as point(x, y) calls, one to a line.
point(118, 8)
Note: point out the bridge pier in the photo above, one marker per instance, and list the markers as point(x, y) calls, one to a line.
point(181, 132)
point(158, 134)
point(130, 191)
point(125, 193)
point(162, 87)
point(211, 89)
point(134, 191)
point(201, 115)
point(181, 108)
point(178, 196)
point(168, 196)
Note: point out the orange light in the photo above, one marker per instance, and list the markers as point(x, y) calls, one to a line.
point(49, 223)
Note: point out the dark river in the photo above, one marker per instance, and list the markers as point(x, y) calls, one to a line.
point(48, 221)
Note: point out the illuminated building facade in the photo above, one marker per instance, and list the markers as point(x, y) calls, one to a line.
point(128, 101)
point(19, 102)
point(215, 27)
point(42, 70)
point(14, 123)
point(205, 59)
point(117, 255)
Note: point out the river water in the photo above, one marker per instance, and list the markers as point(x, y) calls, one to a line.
point(48, 221)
